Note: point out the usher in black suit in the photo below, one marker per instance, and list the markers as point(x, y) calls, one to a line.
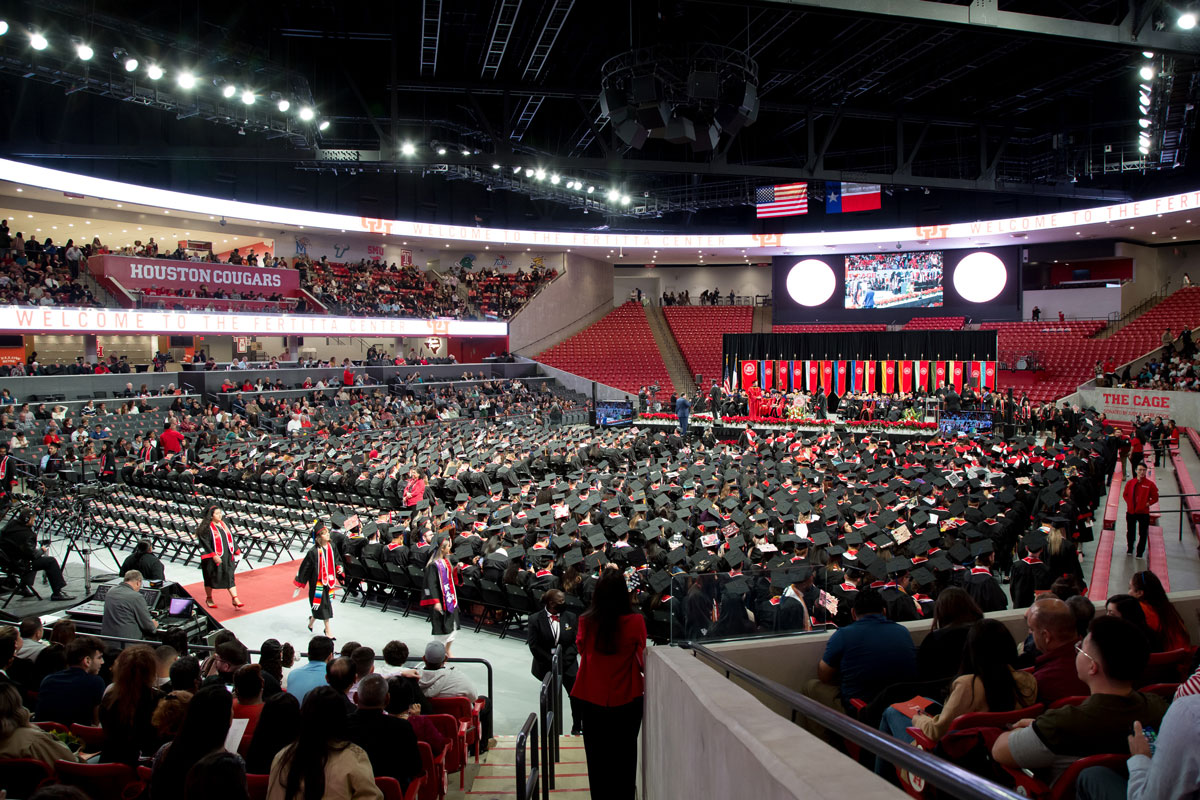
point(541, 640)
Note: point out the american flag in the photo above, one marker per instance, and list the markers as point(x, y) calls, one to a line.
point(784, 200)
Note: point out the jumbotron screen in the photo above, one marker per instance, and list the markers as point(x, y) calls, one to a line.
point(894, 280)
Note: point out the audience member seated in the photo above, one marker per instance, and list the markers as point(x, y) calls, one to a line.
point(144, 561)
point(322, 762)
point(1053, 629)
point(19, 738)
point(73, 695)
point(1109, 660)
point(302, 680)
point(1127, 607)
point(278, 726)
point(203, 732)
point(339, 674)
point(170, 713)
point(128, 707)
point(941, 650)
point(248, 699)
point(389, 742)
point(862, 659)
point(1161, 617)
point(438, 680)
point(987, 681)
point(219, 774)
point(404, 701)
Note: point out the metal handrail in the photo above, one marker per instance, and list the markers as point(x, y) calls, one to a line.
point(527, 782)
point(943, 774)
point(1182, 508)
point(546, 715)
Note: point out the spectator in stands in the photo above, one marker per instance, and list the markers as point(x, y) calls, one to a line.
point(1161, 617)
point(404, 701)
point(1109, 660)
point(322, 762)
point(278, 726)
point(389, 742)
point(128, 705)
point(302, 680)
point(1053, 630)
point(248, 699)
point(1140, 494)
point(73, 695)
point(1036, 314)
point(987, 681)
point(170, 440)
point(941, 650)
point(218, 774)
point(203, 732)
point(609, 686)
point(19, 738)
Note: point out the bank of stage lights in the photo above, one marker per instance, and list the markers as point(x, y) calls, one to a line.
point(1145, 93)
point(184, 78)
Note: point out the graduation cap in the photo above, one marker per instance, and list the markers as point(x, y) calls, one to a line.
point(923, 577)
point(982, 548)
point(562, 542)
point(597, 539)
point(660, 581)
point(464, 552)
point(596, 560)
point(677, 556)
point(898, 566)
point(959, 553)
point(1034, 541)
point(737, 587)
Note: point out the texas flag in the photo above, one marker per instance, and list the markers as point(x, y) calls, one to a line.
point(846, 197)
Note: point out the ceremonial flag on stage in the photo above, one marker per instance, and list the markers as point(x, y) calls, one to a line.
point(956, 369)
point(939, 374)
point(781, 375)
point(812, 375)
point(887, 376)
point(749, 373)
point(905, 368)
point(784, 200)
point(840, 379)
point(853, 381)
point(921, 370)
point(985, 373)
point(869, 377)
point(846, 197)
point(827, 376)
point(795, 375)
point(727, 379)
point(766, 374)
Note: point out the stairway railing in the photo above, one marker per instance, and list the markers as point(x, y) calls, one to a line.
point(1118, 320)
point(527, 782)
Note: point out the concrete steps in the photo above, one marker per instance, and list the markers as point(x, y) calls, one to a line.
point(496, 776)
point(762, 320)
point(672, 356)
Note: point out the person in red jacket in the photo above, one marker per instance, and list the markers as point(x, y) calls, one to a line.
point(609, 687)
point(1140, 493)
point(170, 440)
point(414, 490)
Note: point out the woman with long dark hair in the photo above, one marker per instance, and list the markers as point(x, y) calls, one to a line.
point(204, 730)
point(987, 681)
point(441, 593)
point(609, 687)
point(278, 726)
point(219, 554)
point(942, 648)
point(1161, 616)
point(320, 571)
point(322, 763)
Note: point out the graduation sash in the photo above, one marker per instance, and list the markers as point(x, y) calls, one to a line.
point(446, 581)
point(222, 540)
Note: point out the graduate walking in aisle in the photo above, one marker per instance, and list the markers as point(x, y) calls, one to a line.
point(440, 592)
point(320, 571)
point(218, 555)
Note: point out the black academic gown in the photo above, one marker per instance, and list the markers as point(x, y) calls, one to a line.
point(985, 590)
point(307, 575)
point(1029, 576)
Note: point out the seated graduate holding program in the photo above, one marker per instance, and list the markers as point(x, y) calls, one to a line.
point(1109, 660)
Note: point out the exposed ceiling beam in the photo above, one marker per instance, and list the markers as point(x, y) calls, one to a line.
point(613, 165)
point(986, 15)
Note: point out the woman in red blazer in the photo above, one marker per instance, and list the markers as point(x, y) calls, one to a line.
point(609, 687)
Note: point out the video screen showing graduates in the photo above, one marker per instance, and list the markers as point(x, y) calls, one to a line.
point(894, 280)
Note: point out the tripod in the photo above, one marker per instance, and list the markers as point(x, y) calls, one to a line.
point(69, 516)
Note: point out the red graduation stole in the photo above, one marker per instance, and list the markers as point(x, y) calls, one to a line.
point(222, 540)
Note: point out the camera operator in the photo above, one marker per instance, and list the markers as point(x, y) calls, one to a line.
point(19, 543)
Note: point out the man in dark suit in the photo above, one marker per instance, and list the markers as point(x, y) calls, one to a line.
point(389, 741)
point(549, 628)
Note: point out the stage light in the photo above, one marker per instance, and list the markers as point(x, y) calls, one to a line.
point(1144, 98)
point(284, 105)
point(540, 174)
point(38, 42)
point(810, 282)
point(229, 90)
point(1148, 54)
point(1144, 122)
point(441, 151)
point(408, 149)
point(466, 152)
point(3, 27)
point(591, 189)
point(1144, 109)
point(516, 170)
point(1145, 87)
point(186, 80)
point(980, 277)
point(248, 97)
point(613, 195)
point(307, 114)
point(131, 64)
point(529, 172)
point(84, 51)
point(154, 72)
point(495, 166)
point(1144, 149)
point(624, 199)
point(1147, 73)
point(1187, 21)
point(324, 126)
point(555, 179)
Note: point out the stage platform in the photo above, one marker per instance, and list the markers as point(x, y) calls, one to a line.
point(732, 430)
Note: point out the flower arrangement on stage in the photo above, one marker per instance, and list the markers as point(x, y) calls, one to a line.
point(806, 422)
point(898, 425)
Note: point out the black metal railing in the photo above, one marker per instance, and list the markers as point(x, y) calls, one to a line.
point(1183, 508)
point(550, 712)
point(528, 781)
point(944, 775)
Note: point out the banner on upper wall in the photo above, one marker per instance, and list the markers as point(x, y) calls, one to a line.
point(16, 319)
point(1126, 404)
point(161, 273)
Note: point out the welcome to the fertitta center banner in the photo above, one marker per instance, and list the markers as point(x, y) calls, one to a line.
point(1125, 404)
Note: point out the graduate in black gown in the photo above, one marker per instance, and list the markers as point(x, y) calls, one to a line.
point(981, 584)
point(219, 555)
point(320, 571)
point(441, 593)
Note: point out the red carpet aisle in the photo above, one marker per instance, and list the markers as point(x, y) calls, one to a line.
point(259, 589)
